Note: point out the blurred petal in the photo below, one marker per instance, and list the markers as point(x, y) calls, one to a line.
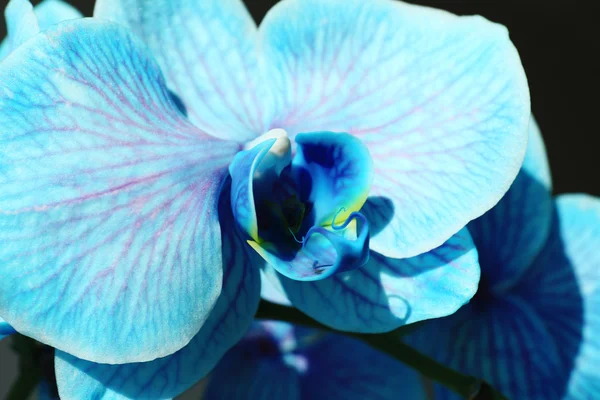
point(441, 102)
point(324, 252)
point(510, 235)
point(343, 368)
point(207, 50)
point(21, 23)
point(564, 287)
point(5, 329)
point(336, 170)
point(277, 361)
point(387, 293)
point(48, 13)
point(108, 199)
point(167, 377)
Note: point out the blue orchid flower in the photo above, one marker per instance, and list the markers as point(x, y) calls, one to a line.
point(281, 361)
point(154, 158)
point(532, 329)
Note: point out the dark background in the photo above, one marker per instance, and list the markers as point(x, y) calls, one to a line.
point(559, 44)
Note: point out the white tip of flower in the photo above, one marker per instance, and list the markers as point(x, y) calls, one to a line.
point(280, 154)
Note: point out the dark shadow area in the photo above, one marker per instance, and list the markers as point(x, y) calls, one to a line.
point(379, 211)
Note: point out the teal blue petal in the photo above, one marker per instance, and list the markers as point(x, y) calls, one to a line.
point(21, 23)
point(538, 340)
point(108, 199)
point(564, 286)
point(48, 13)
point(5, 329)
point(441, 102)
point(387, 293)
point(336, 170)
point(167, 377)
point(510, 235)
point(207, 50)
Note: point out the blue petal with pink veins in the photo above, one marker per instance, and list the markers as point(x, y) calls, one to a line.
point(108, 199)
point(277, 361)
point(5, 329)
point(387, 293)
point(208, 52)
point(168, 377)
point(441, 102)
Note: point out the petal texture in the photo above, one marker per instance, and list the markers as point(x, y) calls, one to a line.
point(387, 293)
point(539, 339)
point(5, 329)
point(108, 199)
point(207, 50)
point(441, 102)
point(564, 286)
point(167, 377)
point(510, 235)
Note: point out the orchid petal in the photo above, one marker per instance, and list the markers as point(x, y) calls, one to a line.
point(324, 251)
point(337, 171)
point(278, 360)
point(167, 377)
point(547, 347)
point(387, 293)
point(207, 50)
point(349, 369)
point(5, 329)
point(108, 199)
point(272, 291)
point(242, 171)
point(563, 285)
point(441, 102)
point(48, 13)
point(504, 342)
point(509, 236)
point(21, 23)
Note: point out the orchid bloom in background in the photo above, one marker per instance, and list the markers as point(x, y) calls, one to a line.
point(533, 328)
point(153, 159)
point(276, 360)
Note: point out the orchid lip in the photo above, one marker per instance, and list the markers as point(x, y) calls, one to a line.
point(301, 210)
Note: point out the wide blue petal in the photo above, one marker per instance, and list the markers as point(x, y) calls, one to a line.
point(336, 171)
point(207, 50)
point(48, 13)
point(111, 246)
point(564, 287)
point(278, 361)
point(509, 236)
point(387, 293)
point(538, 340)
point(441, 102)
point(21, 23)
point(169, 376)
point(5, 329)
